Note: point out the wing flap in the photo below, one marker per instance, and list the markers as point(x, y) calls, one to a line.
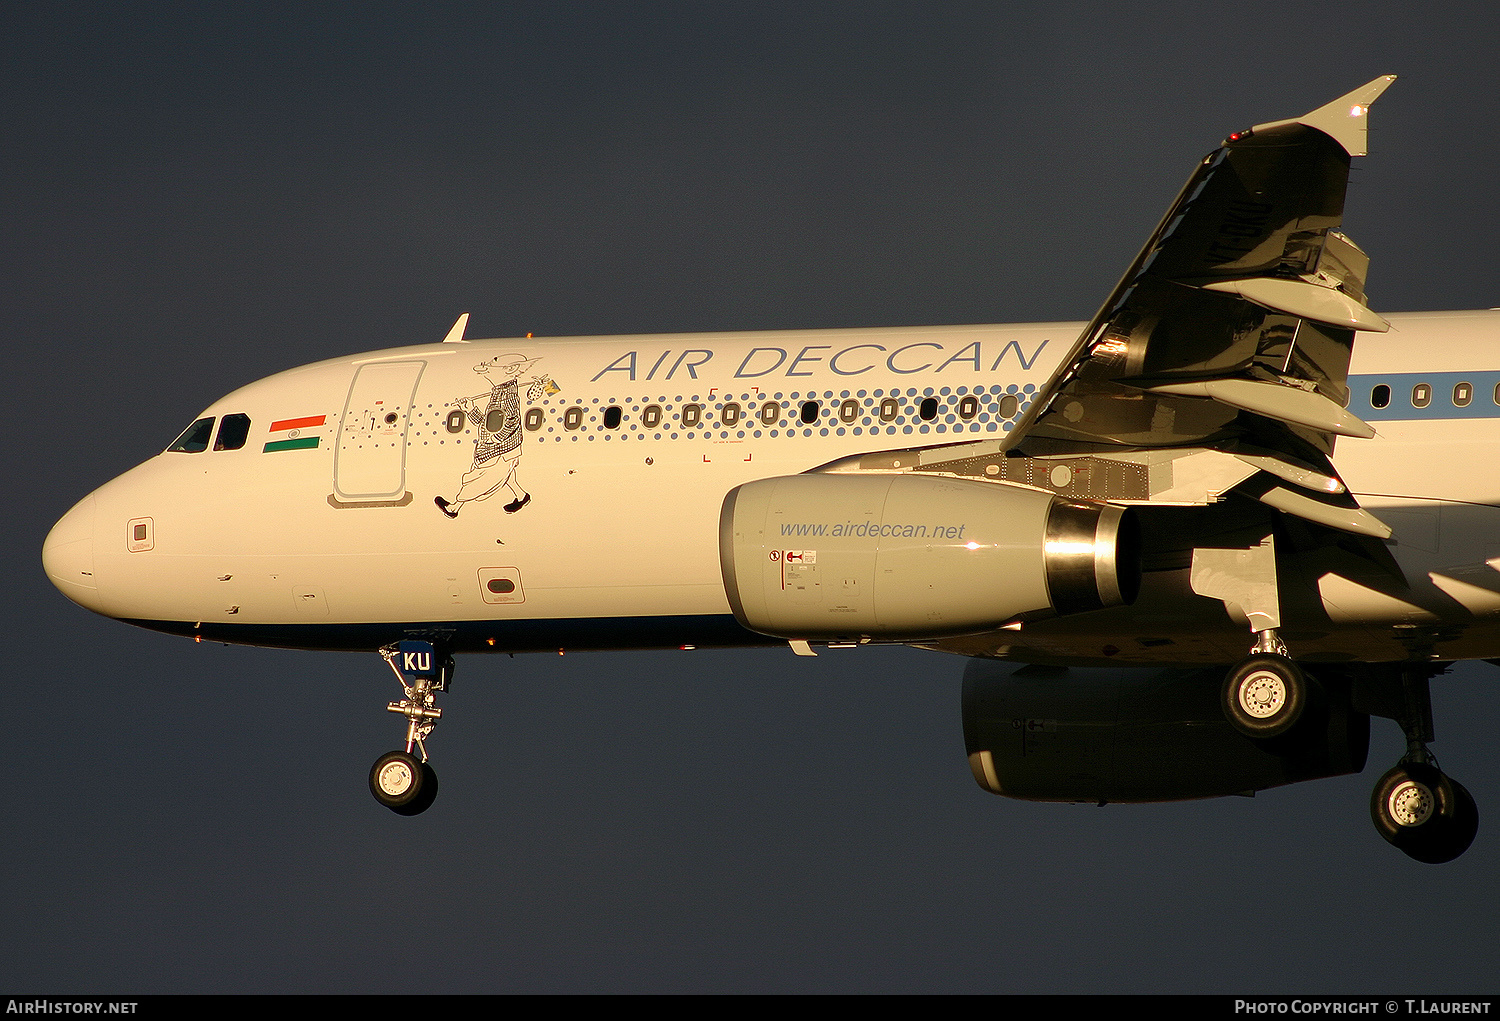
point(1343, 518)
point(1275, 400)
point(1305, 301)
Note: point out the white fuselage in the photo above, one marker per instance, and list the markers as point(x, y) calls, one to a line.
point(576, 526)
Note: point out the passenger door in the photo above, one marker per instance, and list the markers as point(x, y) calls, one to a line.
point(369, 464)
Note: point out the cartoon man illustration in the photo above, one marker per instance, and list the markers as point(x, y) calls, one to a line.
point(497, 451)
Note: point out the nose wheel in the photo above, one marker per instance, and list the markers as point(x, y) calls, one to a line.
point(402, 780)
point(403, 783)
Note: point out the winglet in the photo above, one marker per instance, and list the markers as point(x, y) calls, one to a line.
point(1345, 119)
point(456, 335)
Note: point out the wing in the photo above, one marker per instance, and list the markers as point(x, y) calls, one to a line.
point(1230, 333)
point(1220, 361)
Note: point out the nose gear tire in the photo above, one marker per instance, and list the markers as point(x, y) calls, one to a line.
point(403, 783)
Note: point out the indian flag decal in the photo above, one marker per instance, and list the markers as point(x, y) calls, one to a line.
point(288, 434)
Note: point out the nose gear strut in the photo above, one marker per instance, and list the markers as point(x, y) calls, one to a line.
point(402, 780)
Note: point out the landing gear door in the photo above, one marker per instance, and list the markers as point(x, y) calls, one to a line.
point(369, 464)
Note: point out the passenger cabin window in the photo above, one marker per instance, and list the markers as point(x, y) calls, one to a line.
point(849, 411)
point(233, 431)
point(1421, 395)
point(770, 413)
point(194, 438)
point(612, 416)
point(1380, 397)
point(809, 412)
point(573, 417)
point(730, 416)
point(1463, 393)
point(889, 409)
point(928, 409)
point(651, 417)
point(968, 407)
point(692, 415)
point(455, 421)
point(534, 418)
point(1009, 405)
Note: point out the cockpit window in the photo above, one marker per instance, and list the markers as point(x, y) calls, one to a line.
point(194, 438)
point(232, 432)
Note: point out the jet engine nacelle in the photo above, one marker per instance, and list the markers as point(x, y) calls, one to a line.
point(909, 557)
point(1102, 735)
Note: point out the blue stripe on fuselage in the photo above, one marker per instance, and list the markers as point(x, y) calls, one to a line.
point(1403, 386)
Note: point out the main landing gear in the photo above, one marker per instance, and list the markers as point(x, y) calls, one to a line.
point(1415, 806)
point(1266, 695)
point(1428, 815)
point(402, 780)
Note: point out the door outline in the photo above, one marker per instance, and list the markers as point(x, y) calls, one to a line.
point(369, 451)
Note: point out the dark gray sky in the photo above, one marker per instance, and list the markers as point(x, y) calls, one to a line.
point(197, 197)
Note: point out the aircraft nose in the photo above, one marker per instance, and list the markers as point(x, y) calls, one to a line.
point(68, 554)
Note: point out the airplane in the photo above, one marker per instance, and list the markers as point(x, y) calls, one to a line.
point(1220, 488)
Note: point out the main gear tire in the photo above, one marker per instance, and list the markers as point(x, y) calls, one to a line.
point(1428, 816)
point(1266, 696)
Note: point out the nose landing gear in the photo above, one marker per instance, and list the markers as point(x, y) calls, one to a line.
point(402, 780)
point(403, 783)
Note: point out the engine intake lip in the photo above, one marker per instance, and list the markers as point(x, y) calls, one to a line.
point(726, 554)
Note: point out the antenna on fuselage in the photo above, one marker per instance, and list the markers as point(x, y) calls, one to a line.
point(456, 335)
